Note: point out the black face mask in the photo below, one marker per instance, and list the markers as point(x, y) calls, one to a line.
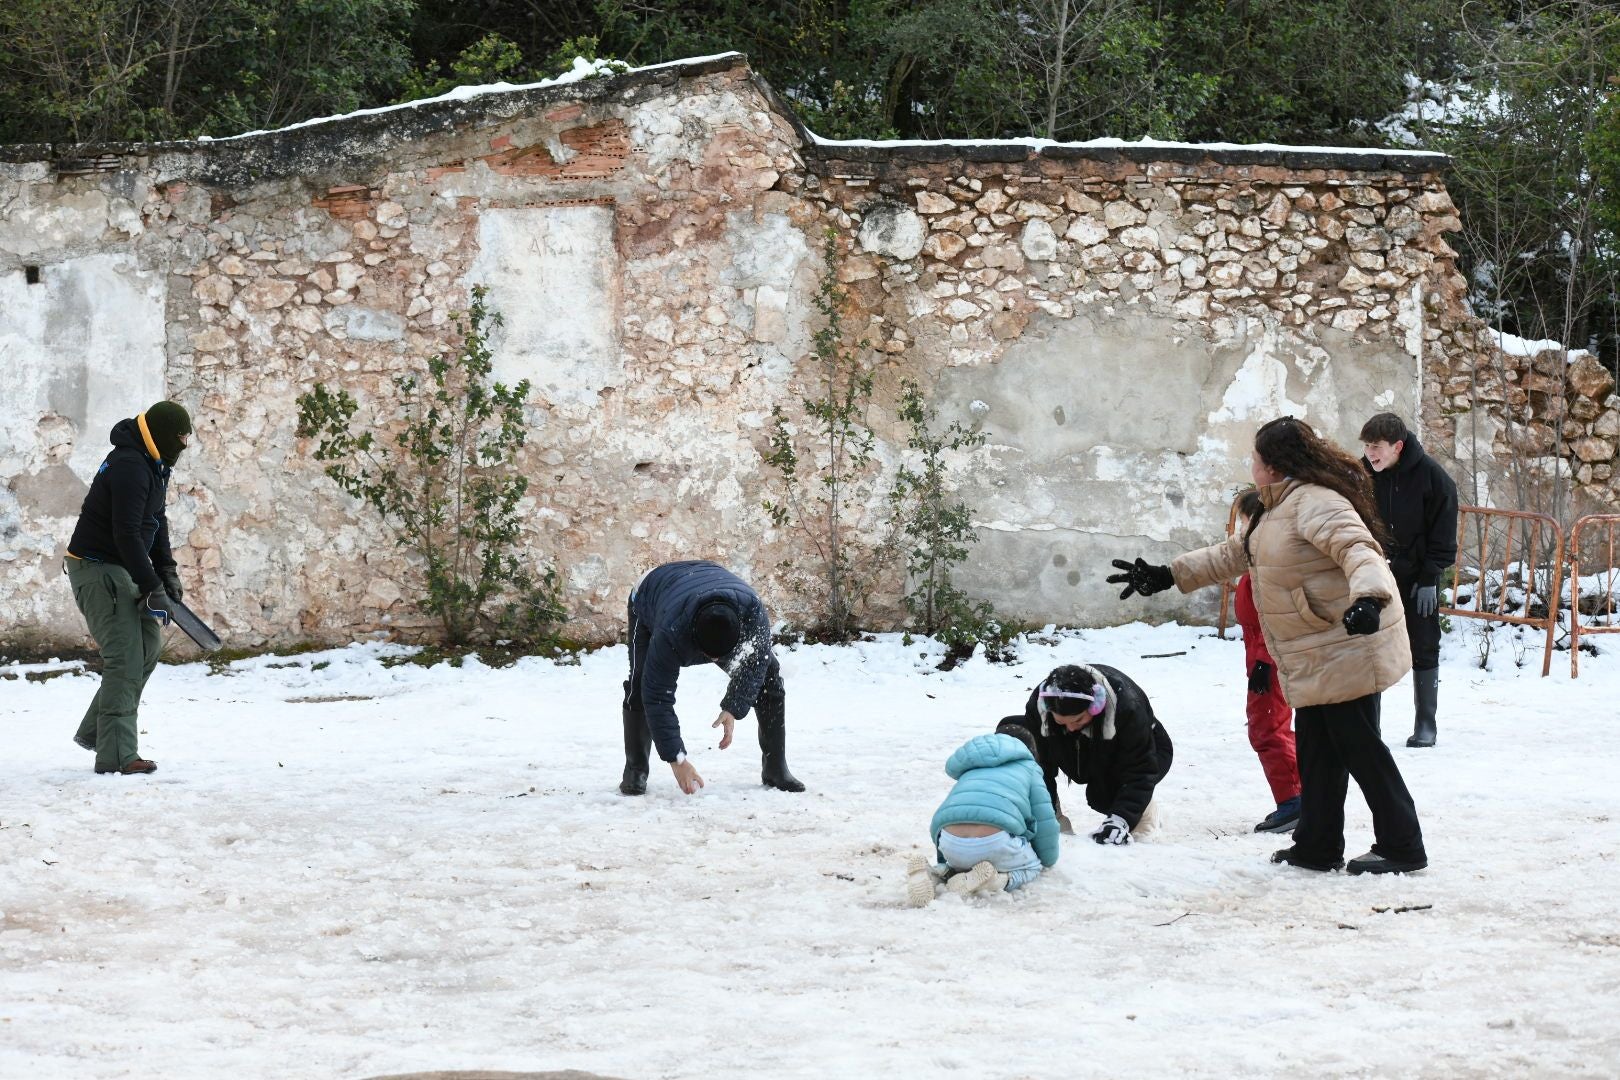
point(168, 423)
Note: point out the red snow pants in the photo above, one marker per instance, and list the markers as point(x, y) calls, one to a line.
point(1270, 715)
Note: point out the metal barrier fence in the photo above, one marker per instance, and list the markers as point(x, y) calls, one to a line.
point(1604, 603)
point(1519, 584)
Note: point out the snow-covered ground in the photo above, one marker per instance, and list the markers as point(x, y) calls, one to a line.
point(344, 869)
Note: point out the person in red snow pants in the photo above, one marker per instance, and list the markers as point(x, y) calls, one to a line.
point(1270, 717)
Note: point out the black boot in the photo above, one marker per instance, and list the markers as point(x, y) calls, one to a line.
point(771, 709)
point(637, 745)
point(1426, 698)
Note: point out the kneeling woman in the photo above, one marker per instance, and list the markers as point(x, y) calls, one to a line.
point(1096, 726)
point(1332, 618)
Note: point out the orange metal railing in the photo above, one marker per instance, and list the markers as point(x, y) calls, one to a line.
point(1603, 603)
point(1510, 597)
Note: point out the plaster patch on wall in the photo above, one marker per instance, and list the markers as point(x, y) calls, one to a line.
point(1259, 390)
point(553, 274)
point(86, 344)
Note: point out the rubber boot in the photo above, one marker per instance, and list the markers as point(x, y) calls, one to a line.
point(771, 710)
point(637, 745)
point(1426, 697)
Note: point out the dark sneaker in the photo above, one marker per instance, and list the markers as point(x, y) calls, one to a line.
point(1283, 819)
point(1294, 857)
point(90, 746)
point(137, 767)
point(1374, 863)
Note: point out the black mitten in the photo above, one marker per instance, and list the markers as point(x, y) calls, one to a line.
point(1142, 577)
point(171, 582)
point(1361, 617)
point(1260, 677)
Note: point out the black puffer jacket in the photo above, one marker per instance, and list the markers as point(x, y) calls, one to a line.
point(1418, 501)
point(1120, 756)
point(665, 603)
point(122, 520)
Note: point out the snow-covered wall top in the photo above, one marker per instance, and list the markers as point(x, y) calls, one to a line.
point(1116, 318)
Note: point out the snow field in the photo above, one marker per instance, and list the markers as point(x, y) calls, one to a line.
point(346, 869)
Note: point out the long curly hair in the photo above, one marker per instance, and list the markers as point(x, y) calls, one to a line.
point(1291, 447)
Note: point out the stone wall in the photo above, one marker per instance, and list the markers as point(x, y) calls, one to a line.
point(1116, 319)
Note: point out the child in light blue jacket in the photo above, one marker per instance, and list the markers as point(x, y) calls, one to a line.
point(996, 829)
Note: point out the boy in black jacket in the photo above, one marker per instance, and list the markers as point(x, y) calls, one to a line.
point(1097, 727)
point(1418, 503)
point(123, 574)
point(698, 612)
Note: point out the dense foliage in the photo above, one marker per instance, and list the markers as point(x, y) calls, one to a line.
point(1537, 141)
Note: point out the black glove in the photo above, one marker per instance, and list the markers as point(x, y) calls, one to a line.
point(1361, 617)
point(171, 582)
point(1143, 577)
point(158, 605)
point(1260, 677)
point(1425, 600)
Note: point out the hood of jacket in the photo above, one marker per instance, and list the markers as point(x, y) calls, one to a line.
point(984, 752)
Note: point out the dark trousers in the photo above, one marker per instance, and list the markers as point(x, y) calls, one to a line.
point(770, 708)
point(130, 644)
point(1423, 633)
point(1336, 742)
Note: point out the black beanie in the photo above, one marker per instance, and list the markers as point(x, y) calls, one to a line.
point(716, 628)
point(166, 422)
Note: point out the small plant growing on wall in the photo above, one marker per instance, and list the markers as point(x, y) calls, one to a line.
point(938, 529)
point(825, 470)
point(445, 485)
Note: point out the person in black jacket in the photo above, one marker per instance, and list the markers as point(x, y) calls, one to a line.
point(1418, 503)
point(697, 612)
point(123, 575)
point(1097, 727)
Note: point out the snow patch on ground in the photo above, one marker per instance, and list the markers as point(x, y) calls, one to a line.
point(344, 868)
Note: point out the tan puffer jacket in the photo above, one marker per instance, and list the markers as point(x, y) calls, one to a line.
point(1311, 559)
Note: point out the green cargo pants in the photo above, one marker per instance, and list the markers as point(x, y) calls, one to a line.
point(130, 644)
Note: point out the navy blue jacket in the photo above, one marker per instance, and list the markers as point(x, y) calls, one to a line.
point(1418, 501)
point(665, 603)
point(122, 520)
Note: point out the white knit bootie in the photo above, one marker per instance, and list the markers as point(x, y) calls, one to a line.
point(919, 882)
point(983, 878)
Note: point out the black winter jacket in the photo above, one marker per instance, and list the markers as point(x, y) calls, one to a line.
point(665, 603)
point(1120, 756)
point(122, 520)
point(1418, 501)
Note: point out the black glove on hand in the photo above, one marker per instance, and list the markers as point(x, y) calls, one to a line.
point(1143, 577)
point(1425, 600)
point(157, 604)
point(171, 583)
point(1260, 677)
point(1361, 617)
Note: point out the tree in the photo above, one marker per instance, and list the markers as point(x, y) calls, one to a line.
point(446, 487)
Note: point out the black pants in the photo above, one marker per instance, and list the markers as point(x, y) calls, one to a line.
point(1423, 633)
point(1336, 742)
point(770, 707)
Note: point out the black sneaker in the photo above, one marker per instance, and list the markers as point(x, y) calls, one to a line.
point(1283, 819)
point(90, 746)
point(1374, 863)
point(1294, 857)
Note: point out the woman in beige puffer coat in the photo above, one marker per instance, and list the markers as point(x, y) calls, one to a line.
point(1332, 618)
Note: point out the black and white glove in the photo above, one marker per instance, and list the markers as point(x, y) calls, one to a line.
point(1425, 600)
point(1113, 830)
point(1361, 617)
point(157, 605)
point(171, 582)
point(1260, 677)
point(1141, 577)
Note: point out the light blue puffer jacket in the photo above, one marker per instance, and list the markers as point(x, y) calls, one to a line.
point(998, 783)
